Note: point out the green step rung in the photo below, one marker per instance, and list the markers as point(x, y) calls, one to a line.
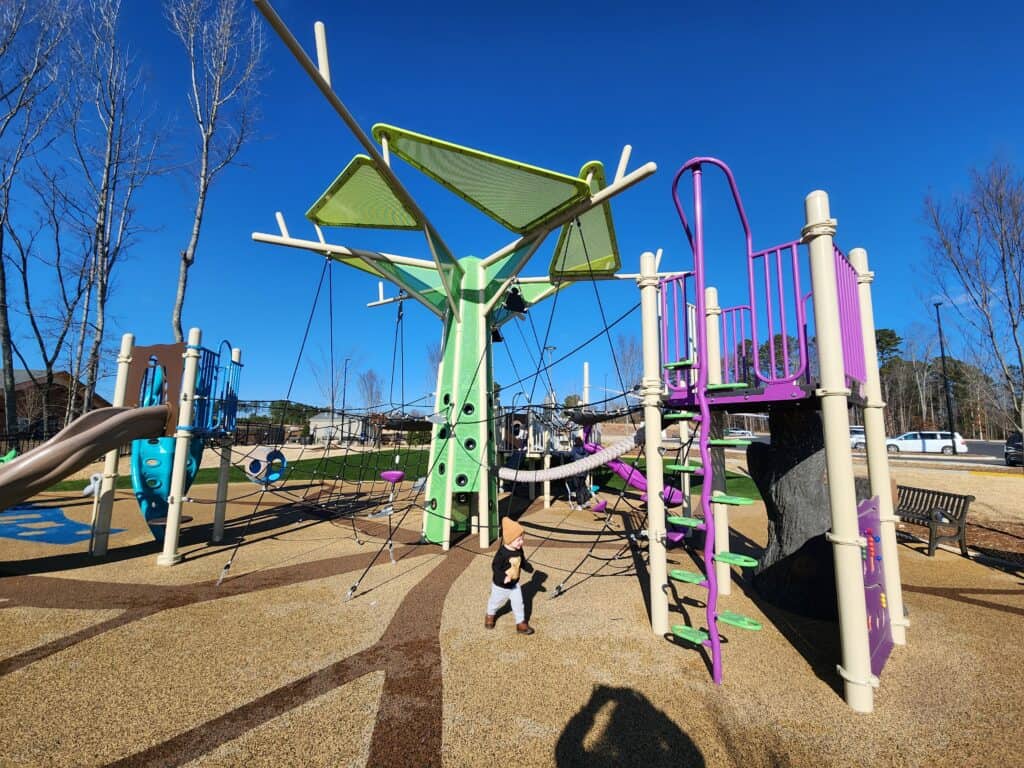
point(738, 620)
point(687, 363)
point(688, 576)
point(686, 522)
point(689, 634)
point(736, 501)
point(683, 467)
point(725, 387)
point(731, 558)
point(678, 416)
point(727, 442)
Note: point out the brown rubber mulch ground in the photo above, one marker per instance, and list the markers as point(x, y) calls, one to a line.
point(121, 662)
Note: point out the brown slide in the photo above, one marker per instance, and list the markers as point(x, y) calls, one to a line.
point(84, 440)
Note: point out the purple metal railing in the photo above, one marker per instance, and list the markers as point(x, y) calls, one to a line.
point(677, 340)
point(849, 319)
point(737, 346)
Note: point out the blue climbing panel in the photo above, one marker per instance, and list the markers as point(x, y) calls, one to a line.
point(152, 464)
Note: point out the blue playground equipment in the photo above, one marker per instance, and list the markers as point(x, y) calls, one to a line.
point(214, 407)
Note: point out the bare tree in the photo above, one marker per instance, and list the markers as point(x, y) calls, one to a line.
point(371, 388)
point(919, 354)
point(224, 54)
point(31, 36)
point(113, 152)
point(49, 315)
point(629, 361)
point(977, 258)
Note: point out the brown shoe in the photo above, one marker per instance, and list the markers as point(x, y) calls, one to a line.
point(489, 621)
point(524, 628)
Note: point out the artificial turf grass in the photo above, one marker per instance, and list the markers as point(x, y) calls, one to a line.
point(349, 466)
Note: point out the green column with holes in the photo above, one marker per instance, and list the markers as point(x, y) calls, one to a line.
point(460, 483)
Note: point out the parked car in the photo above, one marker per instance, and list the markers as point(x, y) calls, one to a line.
point(1012, 450)
point(925, 442)
point(857, 439)
point(738, 433)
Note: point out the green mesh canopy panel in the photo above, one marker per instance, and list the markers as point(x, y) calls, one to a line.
point(588, 250)
point(360, 197)
point(355, 261)
point(421, 282)
point(519, 196)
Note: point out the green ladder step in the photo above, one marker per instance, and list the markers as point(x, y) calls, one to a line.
point(738, 620)
point(687, 363)
point(725, 387)
point(688, 522)
point(679, 416)
point(688, 576)
point(727, 442)
point(731, 558)
point(736, 501)
point(683, 468)
point(690, 634)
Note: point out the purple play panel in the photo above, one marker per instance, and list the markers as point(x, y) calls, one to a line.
point(879, 629)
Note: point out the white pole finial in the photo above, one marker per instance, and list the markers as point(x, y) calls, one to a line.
point(320, 31)
point(627, 150)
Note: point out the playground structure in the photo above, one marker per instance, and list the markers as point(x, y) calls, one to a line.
point(714, 360)
point(473, 297)
point(169, 401)
point(698, 358)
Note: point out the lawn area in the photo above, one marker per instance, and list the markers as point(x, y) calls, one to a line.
point(366, 465)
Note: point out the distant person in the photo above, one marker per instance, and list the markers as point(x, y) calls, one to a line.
point(578, 483)
point(509, 562)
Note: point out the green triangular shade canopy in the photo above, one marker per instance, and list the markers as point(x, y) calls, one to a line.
point(360, 197)
point(517, 195)
point(586, 246)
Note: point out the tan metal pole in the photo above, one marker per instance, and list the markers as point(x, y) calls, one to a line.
point(878, 459)
point(723, 572)
point(845, 537)
point(105, 509)
point(657, 565)
point(222, 474)
point(183, 437)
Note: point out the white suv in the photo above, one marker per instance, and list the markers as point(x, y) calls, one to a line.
point(926, 442)
point(857, 436)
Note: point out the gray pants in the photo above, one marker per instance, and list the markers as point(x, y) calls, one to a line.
point(499, 595)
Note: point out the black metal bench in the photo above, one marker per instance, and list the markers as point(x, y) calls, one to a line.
point(937, 511)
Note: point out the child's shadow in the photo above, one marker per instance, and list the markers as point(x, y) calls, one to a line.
point(529, 590)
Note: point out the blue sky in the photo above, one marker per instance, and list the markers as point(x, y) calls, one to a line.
point(878, 105)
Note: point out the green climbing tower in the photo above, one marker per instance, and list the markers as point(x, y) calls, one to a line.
point(469, 295)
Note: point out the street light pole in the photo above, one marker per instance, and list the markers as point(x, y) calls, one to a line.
point(945, 380)
point(551, 384)
point(344, 390)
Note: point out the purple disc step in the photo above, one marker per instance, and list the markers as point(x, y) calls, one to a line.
point(392, 475)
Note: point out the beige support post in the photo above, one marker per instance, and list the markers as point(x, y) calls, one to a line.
point(105, 507)
point(183, 436)
point(222, 474)
point(878, 459)
point(651, 387)
point(712, 312)
point(547, 465)
point(845, 537)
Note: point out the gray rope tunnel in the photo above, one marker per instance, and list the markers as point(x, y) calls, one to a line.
point(572, 469)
